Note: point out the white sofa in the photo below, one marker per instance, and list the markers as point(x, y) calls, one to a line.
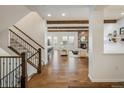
point(63, 52)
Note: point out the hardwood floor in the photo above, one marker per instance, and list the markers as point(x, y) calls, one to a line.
point(64, 72)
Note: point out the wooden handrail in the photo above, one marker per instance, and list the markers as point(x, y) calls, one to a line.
point(28, 37)
point(23, 39)
point(9, 56)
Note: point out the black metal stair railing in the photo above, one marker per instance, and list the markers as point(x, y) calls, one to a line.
point(11, 74)
point(19, 45)
point(13, 69)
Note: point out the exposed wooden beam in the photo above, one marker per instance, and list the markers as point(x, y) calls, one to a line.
point(110, 21)
point(67, 30)
point(77, 21)
point(76, 27)
point(68, 22)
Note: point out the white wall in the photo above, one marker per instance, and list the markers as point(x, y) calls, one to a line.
point(59, 35)
point(34, 26)
point(31, 24)
point(102, 67)
point(3, 52)
point(9, 15)
point(4, 41)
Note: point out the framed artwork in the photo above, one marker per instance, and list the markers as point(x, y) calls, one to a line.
point(122, 31)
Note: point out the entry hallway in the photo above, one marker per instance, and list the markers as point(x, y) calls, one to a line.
point(66, 72)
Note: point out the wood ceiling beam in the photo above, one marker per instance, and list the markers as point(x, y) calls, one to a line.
point(110, 21)
point(67, 30)
point(76, 27)
point(77, 21)
point(68, 22)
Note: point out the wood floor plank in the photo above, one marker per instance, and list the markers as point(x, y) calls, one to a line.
point(67, 72)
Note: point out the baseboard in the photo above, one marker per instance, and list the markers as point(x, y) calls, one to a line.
point(90, 77)
point(107, 80)
point(104, 80)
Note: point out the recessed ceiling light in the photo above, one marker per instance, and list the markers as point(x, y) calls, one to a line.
point(63, 14)
point(122, 13)
point(49, 15)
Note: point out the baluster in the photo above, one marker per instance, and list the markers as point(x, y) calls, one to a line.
point(19, 72)
point(18, 41)
point(26, 49)
point(10, 70)
point(6, 72)
point(33, 59)
point(10, 38)
point(13, 73)
point(29, 51)
point(0, 73)
point(21, 44)
point(3, 71)
point(24, 46)
point(36, 59)
point(16, 77)
point(13, 37)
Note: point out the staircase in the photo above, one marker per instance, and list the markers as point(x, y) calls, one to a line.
point(13, 69)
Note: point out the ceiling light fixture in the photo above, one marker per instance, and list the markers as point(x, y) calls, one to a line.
point(49, 15)
point(63, 14)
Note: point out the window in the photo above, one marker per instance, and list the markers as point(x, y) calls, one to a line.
point(64, 38)
point(71, 39)
point(49, 37)
point(55, 40)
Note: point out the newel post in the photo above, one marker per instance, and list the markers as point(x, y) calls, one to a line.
point(24, 71)
point(39, 64)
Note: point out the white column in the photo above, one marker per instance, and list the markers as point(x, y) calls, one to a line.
point(96, 29)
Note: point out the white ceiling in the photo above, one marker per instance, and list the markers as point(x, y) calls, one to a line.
point(71, 11)
point(10, 14)
point(75, 12)
point(114, 12)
